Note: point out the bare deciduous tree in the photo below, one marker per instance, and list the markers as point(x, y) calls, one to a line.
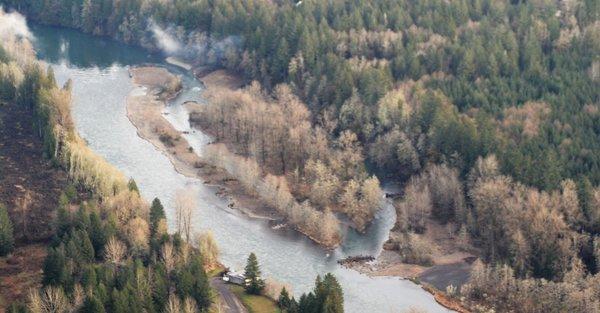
point(209, 250)
point(167, 255)
point(138, 233)
point(114, 251)
point(49, 300)
point(173, 304)
point(415, 207)
point(185, 203)
point(189, 305)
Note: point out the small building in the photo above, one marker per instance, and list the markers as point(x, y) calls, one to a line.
point(235, 278)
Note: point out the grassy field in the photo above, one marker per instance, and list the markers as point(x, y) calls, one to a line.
point(255, 304)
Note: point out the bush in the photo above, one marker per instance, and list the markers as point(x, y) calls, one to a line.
point(167, 139)
point(414, 249)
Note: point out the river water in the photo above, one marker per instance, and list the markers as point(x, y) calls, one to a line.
point(99, 70)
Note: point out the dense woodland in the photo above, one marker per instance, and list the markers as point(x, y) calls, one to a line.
point(489, 110)
point(300, 161)
point(110, 250)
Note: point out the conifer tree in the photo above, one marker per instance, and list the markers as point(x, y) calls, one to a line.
point(55, 272)
point(252, 273)
point(7, 241)
point(132, 186)
point(284, 300)
point(86, 249)
point(97, 233)
point(157, 213)
point(201, 287)
point(92, 305)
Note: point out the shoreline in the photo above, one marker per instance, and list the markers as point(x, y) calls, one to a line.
point(145, 111)
point(386, 266)
point(145, 105)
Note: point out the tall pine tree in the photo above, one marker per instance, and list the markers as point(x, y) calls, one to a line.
point(252, 273)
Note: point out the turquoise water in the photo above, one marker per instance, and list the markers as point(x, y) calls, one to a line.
point(99, 70)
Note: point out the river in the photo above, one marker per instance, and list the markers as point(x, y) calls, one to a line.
point(99, 70)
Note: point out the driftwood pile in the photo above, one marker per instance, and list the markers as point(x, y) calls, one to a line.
point(356, 259)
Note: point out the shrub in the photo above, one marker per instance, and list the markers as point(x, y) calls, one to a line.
point(7, 241)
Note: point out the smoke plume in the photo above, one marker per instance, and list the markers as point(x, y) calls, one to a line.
point(168, 43)
point(12, 25)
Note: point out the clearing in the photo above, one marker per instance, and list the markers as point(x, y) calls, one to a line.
point(30, 186)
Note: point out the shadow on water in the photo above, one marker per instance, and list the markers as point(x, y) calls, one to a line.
point(55, 44)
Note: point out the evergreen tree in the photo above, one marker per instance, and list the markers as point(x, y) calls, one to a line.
point(201, 287)
point(284, 300)
point(132, 186)
point(252, 273)
point(7, 241)
point(97, 233)
point(89, 278)
point(82, 219)
point(157, 213)
point(92, 305)
point(55, 272)
point(86, 249)
point(333, 297)
point(308, 303)
point(63, 217)
point(119, 302)
point(160, 290)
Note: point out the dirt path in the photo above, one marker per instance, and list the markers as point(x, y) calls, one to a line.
point(231, 302)
point(441, 276)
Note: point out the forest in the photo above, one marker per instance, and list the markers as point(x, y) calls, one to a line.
point(487, 110)
point(109, 250)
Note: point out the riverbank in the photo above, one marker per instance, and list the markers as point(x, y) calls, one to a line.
point(145, 110)
point(451, 264)
point(457, 265)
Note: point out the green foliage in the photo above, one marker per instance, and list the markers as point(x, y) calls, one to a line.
point(7, 241)
point(55, 267)
point(92, 305)
point(128, 280)
point(285, 303)
point(327, 296)
point(157, 213)
point(252, 273)
point(132, 186)
point(97, 233)
point(491, 55)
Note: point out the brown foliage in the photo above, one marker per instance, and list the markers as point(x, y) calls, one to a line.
point(525, 121)
point(275, 138)
point(511, 220)
point(498, 288)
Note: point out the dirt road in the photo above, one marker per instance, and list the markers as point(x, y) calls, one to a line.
point(231, 302)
